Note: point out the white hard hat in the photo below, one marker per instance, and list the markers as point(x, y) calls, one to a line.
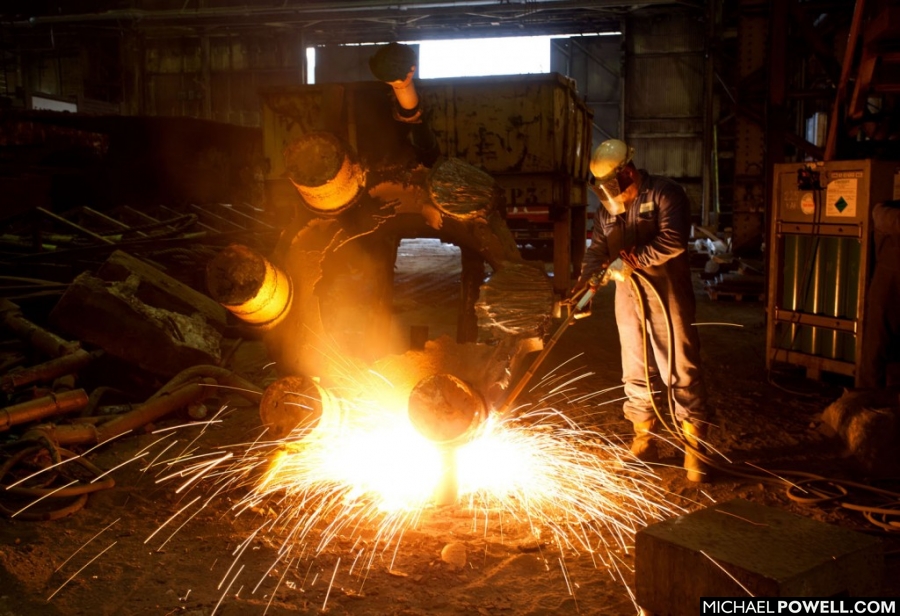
point(609, 157)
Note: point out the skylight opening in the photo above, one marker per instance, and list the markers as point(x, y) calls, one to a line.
point(490, 56)
point(518, 55)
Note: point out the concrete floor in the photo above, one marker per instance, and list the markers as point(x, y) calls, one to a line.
point(767, 424)
point(765, 418)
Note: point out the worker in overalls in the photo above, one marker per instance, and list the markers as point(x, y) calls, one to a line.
point(644, 225)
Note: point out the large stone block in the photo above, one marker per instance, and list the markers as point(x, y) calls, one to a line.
point(108, 315)
point(739, 549)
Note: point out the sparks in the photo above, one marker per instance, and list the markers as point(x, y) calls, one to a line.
point(365, 475)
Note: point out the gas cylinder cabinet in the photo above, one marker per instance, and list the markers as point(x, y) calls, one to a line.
point(820, 261)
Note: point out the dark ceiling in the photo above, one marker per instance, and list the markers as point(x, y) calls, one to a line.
point(332, 21)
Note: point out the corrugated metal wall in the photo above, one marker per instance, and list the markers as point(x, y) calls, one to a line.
point(595, 63)
point(664, 97)
point(217, 78)
point(339, 64)
point(55, 74)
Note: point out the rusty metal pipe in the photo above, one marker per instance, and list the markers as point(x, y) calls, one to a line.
point(85, 433)
point(48, 343)
point(154, 410)
point(54, 404)
point(222, 376)
point(71, 224)
point(48, 370)
point(188, 386)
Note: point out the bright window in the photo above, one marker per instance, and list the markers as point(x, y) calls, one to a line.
point(492, 56)
point(517, 55)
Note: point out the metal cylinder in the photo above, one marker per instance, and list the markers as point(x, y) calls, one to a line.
point(405, 91)
point(395, 64)
point(294, 406)
point(445, 409)
point(249, 286)
point(320, 167)
point(461, 190)
point(48, 406)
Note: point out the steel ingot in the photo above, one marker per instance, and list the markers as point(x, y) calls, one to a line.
point(445, 409)
point(319, 166)
point(294, 405)
point(249, 286)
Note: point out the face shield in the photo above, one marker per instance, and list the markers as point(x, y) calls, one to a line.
point(613, 191)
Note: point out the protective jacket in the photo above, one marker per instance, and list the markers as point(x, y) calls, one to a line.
point(881, 327)
point(654, 232)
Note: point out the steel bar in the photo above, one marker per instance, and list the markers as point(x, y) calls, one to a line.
point(48, 371)
point(75, 226)
point(48, 343)
point(188, 386)
point(39, 408)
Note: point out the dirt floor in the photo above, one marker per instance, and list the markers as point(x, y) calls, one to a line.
point(136, 549)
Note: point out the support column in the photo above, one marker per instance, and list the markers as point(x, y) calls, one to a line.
point(750, 140)
point(206, 76)
point(471, 279)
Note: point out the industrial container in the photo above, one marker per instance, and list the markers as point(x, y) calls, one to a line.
point(820, 261)
point(531, 132)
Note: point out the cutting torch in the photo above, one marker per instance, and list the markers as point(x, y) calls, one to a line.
point(578, 307)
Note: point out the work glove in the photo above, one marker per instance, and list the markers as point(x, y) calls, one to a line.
point(577, 289)
point(631, 259)
point(619, 270)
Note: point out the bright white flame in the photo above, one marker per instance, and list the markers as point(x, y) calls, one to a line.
point(391, 464)
point(497, 462)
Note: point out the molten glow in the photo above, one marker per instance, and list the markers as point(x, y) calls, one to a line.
point(336, 194)
point(364, 474)
point(500, 462)
point(271, 301)
point(389, 463)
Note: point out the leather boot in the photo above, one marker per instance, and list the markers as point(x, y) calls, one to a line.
point(694, 450)
point(643, 447)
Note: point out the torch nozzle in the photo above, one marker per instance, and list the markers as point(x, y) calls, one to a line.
point(580, 305)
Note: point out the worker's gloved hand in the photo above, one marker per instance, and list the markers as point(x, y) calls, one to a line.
point(630, 259)
point(577, 289)
point(583, 283)
point(619, 270)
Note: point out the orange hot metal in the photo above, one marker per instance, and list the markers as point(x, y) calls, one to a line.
point(249, 286)
point(55, 404)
